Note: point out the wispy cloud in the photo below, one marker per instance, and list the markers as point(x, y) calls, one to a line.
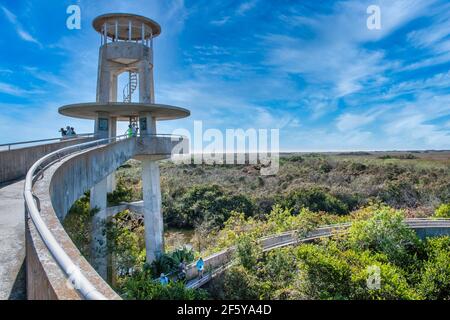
point(17, 91)
point(310, 68)
point(246, 6)
point(23, 34)
point(240, 11)
point(221, 21)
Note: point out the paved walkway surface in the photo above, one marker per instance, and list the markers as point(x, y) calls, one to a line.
point(12, 242)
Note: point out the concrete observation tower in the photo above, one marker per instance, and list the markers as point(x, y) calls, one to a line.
point(127, 46)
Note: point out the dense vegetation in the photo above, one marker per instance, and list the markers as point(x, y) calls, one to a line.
point(340, 268)
point(416, 182)
point(222, 205)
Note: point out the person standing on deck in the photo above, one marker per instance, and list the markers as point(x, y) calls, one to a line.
point(163, 279)
point(129, 131)
point(200, 266)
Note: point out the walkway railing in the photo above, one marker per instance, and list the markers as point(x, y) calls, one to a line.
point(61, 257)
point(70, 269)
point(289, 238)
point(8, 146)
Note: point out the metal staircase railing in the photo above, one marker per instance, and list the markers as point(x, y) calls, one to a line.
point(130, 87)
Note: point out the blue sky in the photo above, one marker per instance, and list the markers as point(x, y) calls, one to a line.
point(310, 68)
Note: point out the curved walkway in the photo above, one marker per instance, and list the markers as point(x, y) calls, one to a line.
point(12, 241)
point(221, 261)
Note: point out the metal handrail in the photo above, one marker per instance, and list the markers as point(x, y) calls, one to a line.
point(63, 260)
point(81, 135)
point(83, 284)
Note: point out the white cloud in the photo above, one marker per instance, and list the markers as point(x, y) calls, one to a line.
point(241, 10)
point(25, 35)
point(221, 21)
point(245, 7)
point(17, 91)
point(349, 121)
point(332, 54)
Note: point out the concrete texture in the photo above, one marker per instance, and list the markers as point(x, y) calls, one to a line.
point(99, 259)
point(153, 218)
point(12, 242)
point(153, 29)
point(62, 184)
point(14, 164)
point(123, 110)
point(85, 170)
point(45, 278)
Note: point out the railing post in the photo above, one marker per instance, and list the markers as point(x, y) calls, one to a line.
point(105, 33)
point(129, 30)
point(116, 37)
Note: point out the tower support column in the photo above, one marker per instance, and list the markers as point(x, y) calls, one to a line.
point(147, 123)
point(153, 218)
point(111, 182)
point(98, 201)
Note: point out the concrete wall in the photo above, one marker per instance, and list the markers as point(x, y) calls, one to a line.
point(160, 147)
point(14, 164)
point(84, 171)
point(62, 183)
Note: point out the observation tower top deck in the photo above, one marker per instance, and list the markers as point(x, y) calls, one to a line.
point(126, 26)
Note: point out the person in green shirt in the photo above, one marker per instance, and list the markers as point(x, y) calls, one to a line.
point(129, 131)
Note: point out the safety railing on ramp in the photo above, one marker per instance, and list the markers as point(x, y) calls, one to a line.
point(13, 145)
point(70, 269)
point(84, 286)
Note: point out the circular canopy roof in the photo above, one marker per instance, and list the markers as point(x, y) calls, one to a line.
point(123, 19)
point(123, 111)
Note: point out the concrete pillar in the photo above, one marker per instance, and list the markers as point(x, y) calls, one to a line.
point(111, 180)
point(99, 259)
point(146, 91)
point(147, 123)
point(102, 125)
point(153, 218)
point(113, 93)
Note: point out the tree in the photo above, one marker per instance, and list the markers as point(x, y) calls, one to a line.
point(240, 284)
point(385, 232)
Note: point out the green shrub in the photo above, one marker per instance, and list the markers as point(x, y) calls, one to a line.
point(277, 270)
point(247, 252)
point(126, 241)
point(385, 232)
point(122, 193)
point(295, 158)
point(210, 204)
point(141, 286)
point(169, 262)
point(240, 284)
point(315, 199)
point(393, 284)
point(323, 275)
point(400, 194)
point(78, 224)
point(443, 211)
point(435, 282)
